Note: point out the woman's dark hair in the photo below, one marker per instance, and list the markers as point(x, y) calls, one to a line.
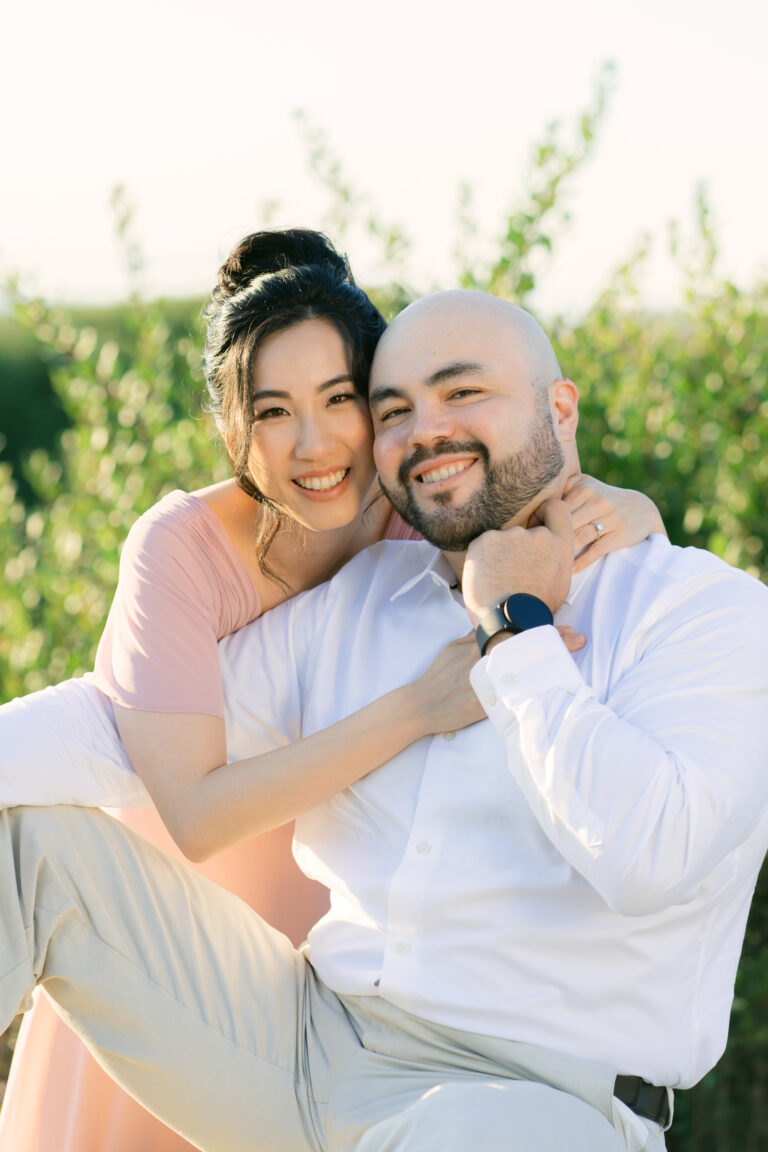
point(269, 282)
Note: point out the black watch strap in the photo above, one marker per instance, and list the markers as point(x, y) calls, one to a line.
point(516, 614)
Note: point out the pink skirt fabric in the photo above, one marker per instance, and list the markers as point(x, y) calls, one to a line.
point(58, 1099)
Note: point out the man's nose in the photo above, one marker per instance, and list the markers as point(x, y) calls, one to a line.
point(431, 422)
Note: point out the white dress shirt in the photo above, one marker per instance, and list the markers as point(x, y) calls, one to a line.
point(576, 870)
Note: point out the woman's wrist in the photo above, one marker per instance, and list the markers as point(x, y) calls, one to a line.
point(411, 715)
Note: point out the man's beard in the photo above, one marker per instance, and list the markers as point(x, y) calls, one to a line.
point(509, 486)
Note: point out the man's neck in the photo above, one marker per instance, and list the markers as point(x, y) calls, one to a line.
point(456, 562)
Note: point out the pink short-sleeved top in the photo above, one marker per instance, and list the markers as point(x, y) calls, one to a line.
point(182, 587)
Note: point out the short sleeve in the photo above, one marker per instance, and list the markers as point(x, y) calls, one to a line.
point(172, 605)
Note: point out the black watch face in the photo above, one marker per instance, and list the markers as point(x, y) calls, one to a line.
point(524, 611)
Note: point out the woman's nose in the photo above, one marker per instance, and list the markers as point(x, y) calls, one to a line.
point(313, 439)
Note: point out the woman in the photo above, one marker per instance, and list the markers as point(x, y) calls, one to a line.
point(289, 345)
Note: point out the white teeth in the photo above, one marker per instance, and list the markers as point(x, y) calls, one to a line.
point(443, 473)
point(323, 483)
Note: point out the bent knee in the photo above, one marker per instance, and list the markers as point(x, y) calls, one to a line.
point(58, 829)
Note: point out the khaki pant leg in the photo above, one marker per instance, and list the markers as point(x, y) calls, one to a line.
point(188, 999)
point(494, 1116)
point(416, 1086)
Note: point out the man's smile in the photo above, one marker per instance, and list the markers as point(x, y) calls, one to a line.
point(434, 473)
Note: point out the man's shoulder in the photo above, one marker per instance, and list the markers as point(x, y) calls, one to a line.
point(663, 578)
point(672, 565)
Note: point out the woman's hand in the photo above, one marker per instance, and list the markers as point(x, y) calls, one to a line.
point(447, 700)
point(625, 517)
point(444, 696)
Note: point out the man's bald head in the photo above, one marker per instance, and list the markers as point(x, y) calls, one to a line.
point(460, 311)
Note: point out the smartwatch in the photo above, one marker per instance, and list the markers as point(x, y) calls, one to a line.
point(516, 614)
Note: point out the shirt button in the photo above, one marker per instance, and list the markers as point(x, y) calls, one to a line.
point(402, 948)
point(448, 735)
point(489, 699)
point(508, 678)
point(436, 580)
point(424, 848)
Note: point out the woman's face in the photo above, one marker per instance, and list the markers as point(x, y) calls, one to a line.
point(311, 447)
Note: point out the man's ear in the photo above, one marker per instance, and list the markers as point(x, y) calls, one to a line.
point(564, 397)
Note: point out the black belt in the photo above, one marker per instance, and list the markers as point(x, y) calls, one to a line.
point(643, 1098)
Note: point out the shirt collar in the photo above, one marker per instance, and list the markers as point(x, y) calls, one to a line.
point(437, 569)
point(440, 572)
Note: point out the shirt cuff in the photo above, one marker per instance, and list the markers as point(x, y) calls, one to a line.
point(523, 667)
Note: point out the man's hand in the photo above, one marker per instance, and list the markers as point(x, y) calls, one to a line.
point(533, 560)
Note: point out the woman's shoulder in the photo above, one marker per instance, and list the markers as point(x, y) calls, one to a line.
point(173, 513)
point(180, 544)
point(179, 524)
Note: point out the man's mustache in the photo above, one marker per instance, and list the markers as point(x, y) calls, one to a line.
point(443, 448)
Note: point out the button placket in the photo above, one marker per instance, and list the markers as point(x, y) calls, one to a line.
point(411, 883)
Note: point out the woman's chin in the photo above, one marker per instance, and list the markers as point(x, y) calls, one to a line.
point(325, 515)
point(322, 510)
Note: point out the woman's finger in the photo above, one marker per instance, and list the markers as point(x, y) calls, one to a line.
point(572, 640)
point(585, 504)
point(590, 533)
point(572, 482)
point(593, 552)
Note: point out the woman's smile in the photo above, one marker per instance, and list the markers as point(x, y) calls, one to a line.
point(325, 485)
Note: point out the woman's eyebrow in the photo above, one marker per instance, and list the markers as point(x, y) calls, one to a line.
point(278, 394)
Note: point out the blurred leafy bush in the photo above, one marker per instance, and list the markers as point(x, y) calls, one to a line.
point(673, 403)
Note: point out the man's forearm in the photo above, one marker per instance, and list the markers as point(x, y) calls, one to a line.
point(646, 793)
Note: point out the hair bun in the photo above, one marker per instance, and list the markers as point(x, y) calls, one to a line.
point(264, 252)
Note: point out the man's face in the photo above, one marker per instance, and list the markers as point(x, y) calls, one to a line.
point(464, 442)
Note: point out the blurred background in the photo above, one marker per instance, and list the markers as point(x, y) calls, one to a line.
point(602, 164)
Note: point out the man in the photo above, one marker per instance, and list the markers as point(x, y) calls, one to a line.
point(536, 920)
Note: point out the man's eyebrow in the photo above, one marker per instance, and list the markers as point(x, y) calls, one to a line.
point(447, 372)
point(276, 394)
point(457, 368)
point(384, 392)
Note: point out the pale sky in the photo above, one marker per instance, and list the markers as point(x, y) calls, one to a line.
point(191, 106)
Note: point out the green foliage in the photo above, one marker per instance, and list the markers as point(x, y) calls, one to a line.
point(675, 404)
point(30, 415)
point(135, 432)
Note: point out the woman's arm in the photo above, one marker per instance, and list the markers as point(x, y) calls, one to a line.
point(625, 517)
point(169, 707)
point(207, 804)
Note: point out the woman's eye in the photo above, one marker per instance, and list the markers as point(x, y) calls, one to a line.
point(341, 397)
point(270, 413)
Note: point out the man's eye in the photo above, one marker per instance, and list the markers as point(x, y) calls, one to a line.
point(460, 393)
point(390, 414)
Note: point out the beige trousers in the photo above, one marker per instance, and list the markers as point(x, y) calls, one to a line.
point(215, 1023)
